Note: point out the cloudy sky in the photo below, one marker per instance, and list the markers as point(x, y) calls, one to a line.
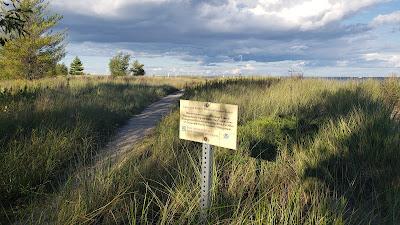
point(216, 37)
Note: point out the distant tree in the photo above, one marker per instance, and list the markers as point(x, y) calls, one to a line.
point(76, 67)
point(12, 20)
point(119, 64)
point(137, 69)
point(37, 53)
point(61, 69)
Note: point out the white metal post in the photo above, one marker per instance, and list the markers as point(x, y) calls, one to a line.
point(206, 179)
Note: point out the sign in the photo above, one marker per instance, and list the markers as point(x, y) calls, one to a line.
point(209, 123)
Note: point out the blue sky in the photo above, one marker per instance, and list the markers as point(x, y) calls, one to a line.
point(225, 37)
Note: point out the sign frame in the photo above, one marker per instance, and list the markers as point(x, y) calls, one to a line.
point(207, 122)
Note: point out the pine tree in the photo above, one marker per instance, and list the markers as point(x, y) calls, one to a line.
point(137, 69)
point(76, 67)
point(37, 53)
point(12, 20)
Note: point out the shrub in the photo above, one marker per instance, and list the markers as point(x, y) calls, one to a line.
point(61, 69)
point(137, 69)
point(119, 64)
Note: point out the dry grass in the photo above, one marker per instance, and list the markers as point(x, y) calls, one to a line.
point(77, 81)
point(310, 152)
point(51, 127)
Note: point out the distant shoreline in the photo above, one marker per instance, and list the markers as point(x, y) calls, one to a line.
point(352, 78)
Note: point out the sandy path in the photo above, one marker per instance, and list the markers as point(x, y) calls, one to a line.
point(137, 128)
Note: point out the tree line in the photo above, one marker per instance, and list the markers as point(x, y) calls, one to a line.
point(119, 65)
point(31, 49)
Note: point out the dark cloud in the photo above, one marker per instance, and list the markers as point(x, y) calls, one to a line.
point(209, 31)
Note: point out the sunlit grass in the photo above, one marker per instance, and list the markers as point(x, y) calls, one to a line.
point(51, 127)
point(310, 152)
point(79, 81)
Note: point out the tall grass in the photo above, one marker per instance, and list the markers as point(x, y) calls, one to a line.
point(310, 152)
point(48, 128)
point(79, 81)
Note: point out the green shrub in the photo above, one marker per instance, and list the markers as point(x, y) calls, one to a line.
point(265, 136)
point(137, 69)
point(119, 64)
point(61, 70)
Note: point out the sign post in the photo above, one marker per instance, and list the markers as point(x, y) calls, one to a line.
point(210, 124)
point(206, 179)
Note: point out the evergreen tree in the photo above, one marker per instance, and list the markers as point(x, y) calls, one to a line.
point(37, 53)
point(119, 64)
point(61, 70)
point(12, 20)
point(76, 67)
point(137, 69)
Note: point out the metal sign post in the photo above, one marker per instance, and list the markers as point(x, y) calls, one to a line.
point(212, 124)
point(206, 180)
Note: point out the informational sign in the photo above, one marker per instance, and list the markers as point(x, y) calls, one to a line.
point(210, 123)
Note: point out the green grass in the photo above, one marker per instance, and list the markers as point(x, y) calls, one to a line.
point(310, 152)
point(48, 130)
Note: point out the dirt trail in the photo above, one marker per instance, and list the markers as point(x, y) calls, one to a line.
point(137, 128)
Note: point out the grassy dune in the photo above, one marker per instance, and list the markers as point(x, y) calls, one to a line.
point(310, 152)
point(50, 127)
point(79, 81)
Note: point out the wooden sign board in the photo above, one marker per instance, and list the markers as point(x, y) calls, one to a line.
point(210, 123)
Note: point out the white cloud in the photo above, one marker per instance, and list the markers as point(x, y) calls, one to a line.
point(286, 14)
point(342, 63)
point(201, 36)
point(227, 15)
point(249, 67)
point(389, 59)
point(110, 8)
point(392, 18)
point(298, 48)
